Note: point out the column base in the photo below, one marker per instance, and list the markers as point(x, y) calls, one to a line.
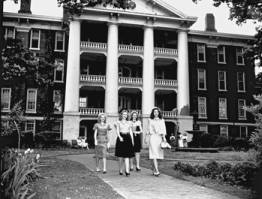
point(71, 124)
point(185, 124)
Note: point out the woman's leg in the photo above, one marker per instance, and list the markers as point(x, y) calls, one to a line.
point(104, 164)
point(155, 165)
point(120, 163)
point(127, 164)
point(137, 160)
point(97, 164)
point(131, 163)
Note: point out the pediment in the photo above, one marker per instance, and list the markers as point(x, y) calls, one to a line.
point(149, 7)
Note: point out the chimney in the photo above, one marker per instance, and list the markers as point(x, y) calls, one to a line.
point(210, 22)
point(25, 7)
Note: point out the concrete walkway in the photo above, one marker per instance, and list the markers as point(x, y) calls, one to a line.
point(143, 185)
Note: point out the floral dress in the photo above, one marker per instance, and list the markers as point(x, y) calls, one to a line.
point(102, 139)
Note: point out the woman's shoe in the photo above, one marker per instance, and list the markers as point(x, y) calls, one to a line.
point(104, 172)
point(137, 169)
point(131, 169)
point(127, 174)
point(97, 170)
point(120, 173)
point(156, 174)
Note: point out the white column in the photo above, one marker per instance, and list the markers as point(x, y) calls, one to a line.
point(183, 75)
point(71, 117)
point(148, 94)
point(111, 92)
point(73, 69)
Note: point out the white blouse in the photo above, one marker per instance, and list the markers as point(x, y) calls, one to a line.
point(156, 126)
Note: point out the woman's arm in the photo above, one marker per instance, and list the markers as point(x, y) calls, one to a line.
point(118, 132)
point(164, 129)
point(131, 133)
point(147, 132)
point(95, 136)
point(140, 126)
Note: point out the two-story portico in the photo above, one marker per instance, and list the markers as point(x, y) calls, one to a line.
point(136, 59)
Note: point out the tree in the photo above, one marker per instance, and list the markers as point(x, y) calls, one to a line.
point(243, 10)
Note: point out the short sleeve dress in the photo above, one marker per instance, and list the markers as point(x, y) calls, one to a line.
point(102, 139)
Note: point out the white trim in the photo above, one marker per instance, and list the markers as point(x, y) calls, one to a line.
point(244, 83)
point(60, 130)
point(26, 125)
point(59, 50)
point(205, 87)
point(9, 97)
point(245, 130)
point(225, 81)
point(220, 99)
point(31, 38)
point(226, 123)
point(205, 102)
point(241, 117)
point(205, 126)
point(204, 53)
point(224, 55)
point(31, 110)
point(13, 37)
point(243, 60)
point(226, 129)
point(85, 130)
point(54, 100)
point(63, 70)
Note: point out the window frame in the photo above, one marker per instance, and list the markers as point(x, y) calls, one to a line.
point(27, 121)
point(222, 118)
point(241, 133)
point(244, 117)
point(27, 96)
point(7, 27)
point(205, 126)
point(224, 55)
point(63, 71)
point(9, 97)
point(226, 129)
point(244, 82)
point(31, 39)
point(237, 55)
point(54, 91)
point(225, 81)
point(59, 50)
point(81, 103)
point(199, 116)
point(204, 53)
point(198, 79)
point(60, 129)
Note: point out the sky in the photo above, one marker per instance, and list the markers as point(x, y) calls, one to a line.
point(50, 7)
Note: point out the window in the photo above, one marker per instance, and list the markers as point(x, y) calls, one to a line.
point(83, 102)
point(31, 100)
point(222, 81)
point(201, 53)
point(35, 39)
point(240, 58)
point(30, 126)
point(57, 98)
point(57, 127)
point(203, 127)
point(9, 33)
point(6, 98)
point(222, 108)
point(241, 82)
point(243, 132)
point(59, 41)
point(59, 70)
point(201, 79)
point(221, 56)
point(202, 107)
point(241, 112)
point(224, 130)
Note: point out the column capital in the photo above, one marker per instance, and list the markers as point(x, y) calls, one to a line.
point(148, 26)
point(182, 30)
point(75, 19)
point(112, 23)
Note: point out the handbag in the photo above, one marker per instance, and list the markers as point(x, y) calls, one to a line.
point(165, 145)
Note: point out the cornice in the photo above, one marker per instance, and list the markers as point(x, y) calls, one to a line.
point(32, 16)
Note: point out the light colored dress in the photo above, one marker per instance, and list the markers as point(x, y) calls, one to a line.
point(102, 139)
point(156, 129)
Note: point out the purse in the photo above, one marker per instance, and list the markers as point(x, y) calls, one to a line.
point(165, 145)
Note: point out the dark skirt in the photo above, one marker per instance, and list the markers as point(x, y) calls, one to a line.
point(124, 149)
point(137, 143)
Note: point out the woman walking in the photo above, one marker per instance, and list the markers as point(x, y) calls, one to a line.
point(124, 142)
point(137, 130)
point(101, 137)
point(156, 132)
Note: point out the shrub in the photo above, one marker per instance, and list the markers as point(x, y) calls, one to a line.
point(206, 140)
point(19, 171)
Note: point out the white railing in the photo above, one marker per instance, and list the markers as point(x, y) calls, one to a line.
point(130, 48)
point(91, 111)
point(94, 45)
point(169, 114)
point(130, 80)
point(165, 82)
point(93, 78)
point(165, 51)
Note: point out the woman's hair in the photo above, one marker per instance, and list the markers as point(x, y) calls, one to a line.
point(99, 117)
point(131, 115)
point(121, 113)
point(152, 113)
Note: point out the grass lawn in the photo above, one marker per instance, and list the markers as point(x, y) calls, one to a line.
point(64, 179)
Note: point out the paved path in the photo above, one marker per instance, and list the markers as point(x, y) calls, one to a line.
point(143, 185)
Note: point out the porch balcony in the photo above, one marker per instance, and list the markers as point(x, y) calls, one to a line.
point(130, 81)
point(93, 112)
point(125, 49)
